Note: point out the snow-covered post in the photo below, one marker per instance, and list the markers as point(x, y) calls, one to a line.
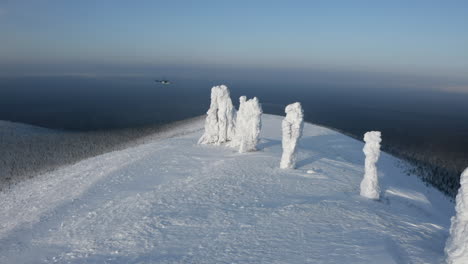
point(456, 248)
point(251, 125)
point(370, 183)
point(292, 126)
point(219, 123)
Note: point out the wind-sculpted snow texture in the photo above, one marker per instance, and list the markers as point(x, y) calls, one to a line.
point(292, 126)
point(370, 182)
point(173, 201)
point(220, 120)
point(456, 248)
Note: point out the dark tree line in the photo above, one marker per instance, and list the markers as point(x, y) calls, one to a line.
point(437, 168)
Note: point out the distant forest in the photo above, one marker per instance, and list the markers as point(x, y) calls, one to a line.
point(26, 151)
point(438, 168)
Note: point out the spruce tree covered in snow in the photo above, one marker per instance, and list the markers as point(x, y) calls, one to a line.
point(251, 125)
point(220, 122)
point(370, 182)
point(456, 249)
point(292, 126)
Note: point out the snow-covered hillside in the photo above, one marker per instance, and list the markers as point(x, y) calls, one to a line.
point(27, 150)
point(173, 201)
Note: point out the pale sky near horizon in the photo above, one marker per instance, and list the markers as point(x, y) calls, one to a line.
point(427, 38)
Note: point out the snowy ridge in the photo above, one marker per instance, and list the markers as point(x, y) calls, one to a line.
point(173, 201)
point(67, 183)
point(27, 150)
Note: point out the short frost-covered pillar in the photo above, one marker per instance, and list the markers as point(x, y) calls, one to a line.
point(219, 123)
point(292, 126)
point(370, 183)
point(456, 248)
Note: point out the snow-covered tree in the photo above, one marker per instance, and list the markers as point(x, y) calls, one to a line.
point(220, 120)
point(456, 248)
point(370, 183)
point(292, 126)
point(251, 125)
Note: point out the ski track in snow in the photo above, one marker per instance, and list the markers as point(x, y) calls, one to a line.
point(173, 201)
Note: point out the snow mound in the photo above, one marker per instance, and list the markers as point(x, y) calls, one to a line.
point(174, 201)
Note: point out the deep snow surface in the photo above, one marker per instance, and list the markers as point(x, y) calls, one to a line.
point(173, 201)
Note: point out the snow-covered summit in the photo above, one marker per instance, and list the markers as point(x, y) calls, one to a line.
point(174, 201)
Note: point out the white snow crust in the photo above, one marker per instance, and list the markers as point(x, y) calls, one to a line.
point(457, 245)
point(174, 201)
point(370, 182)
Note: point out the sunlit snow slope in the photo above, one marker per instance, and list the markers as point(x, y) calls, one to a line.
point(173, 201)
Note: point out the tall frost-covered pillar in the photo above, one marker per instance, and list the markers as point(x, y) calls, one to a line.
point(456, 248)
point(235, 142)
point(226, 115)
point(251, 125)
point(370, 183)
point(292, 126)
point(219, 123)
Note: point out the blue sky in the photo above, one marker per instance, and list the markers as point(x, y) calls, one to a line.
point(421, 37)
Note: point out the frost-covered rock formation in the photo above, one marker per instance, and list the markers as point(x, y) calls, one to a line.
point(292, 126)
point(456, 249)
point(251, 125)
point(235, 142)
point(220, 120)
point(370, 182)
point(248, 125)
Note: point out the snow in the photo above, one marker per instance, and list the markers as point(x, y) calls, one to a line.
point(292, 126)
point(219, 124)
point(171, 200)
point(370, 182)
point(457, 245)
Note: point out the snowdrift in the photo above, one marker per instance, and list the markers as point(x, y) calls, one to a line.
point(171, 200)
